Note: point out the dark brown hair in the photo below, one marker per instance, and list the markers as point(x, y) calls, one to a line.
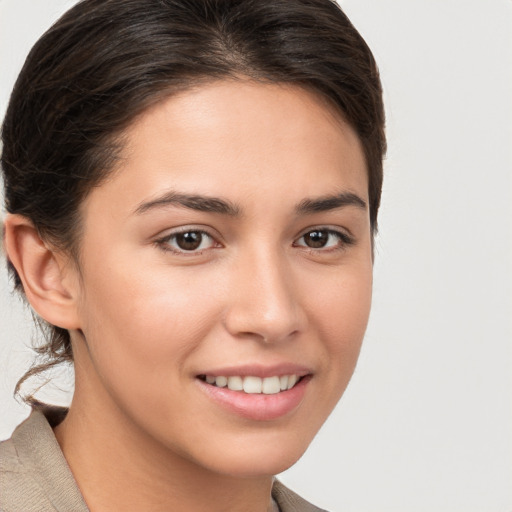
point(106, 61)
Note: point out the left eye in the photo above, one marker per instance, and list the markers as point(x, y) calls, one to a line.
point(189, 241)
point(322, 239)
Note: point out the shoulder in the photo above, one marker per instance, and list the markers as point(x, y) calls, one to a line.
point(18, 487)
point(288, 501)
point(33, 472)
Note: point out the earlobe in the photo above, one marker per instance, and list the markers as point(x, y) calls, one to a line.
point(46, 275)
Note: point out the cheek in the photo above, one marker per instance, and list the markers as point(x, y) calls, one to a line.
point(341, 314)
point(142, 322)
point(343, 307)
point(141, 333)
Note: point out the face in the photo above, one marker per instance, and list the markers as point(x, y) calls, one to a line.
point(232, 245)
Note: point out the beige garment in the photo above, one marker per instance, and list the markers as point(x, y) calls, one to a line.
point(35, 477)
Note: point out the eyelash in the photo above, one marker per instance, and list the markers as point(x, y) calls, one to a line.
point(344, 241)
point(164, 242)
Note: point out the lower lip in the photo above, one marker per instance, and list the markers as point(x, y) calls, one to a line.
point(258, 406)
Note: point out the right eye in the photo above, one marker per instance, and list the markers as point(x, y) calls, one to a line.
point(187, 241)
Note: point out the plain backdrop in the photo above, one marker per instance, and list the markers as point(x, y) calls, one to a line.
point(426, 424)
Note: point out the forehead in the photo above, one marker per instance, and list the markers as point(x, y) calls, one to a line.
point(240, 137)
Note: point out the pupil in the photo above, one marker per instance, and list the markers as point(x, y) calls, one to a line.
point(316, 239)
point(189, 241)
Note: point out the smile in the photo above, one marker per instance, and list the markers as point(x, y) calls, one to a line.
point(256, 398)
point(253, 385)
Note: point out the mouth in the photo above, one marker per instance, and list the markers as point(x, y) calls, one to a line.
point(253, 385)
point(259, 398)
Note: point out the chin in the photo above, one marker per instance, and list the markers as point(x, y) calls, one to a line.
point(260, 467)
point(262, 456)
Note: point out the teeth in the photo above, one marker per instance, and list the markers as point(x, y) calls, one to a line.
point(271, 385)
point(292, 380)
point(221, 382)
point(235, 383)
point(255, 385)
point(252, 384)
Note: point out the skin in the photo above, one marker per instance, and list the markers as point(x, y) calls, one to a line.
point(147, 317)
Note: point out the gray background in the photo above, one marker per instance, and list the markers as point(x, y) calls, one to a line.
point(426, 424)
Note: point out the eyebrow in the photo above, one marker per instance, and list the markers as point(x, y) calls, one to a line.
point(333, 202)
point(224, 207)
point(192, 201)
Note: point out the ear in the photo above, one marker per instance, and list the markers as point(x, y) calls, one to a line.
point(50, 279)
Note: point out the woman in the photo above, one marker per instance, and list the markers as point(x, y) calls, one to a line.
point(192, 192)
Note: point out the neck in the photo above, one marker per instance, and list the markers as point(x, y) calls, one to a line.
point(119, 467)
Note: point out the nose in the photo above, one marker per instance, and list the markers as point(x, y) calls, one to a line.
point(264, 299)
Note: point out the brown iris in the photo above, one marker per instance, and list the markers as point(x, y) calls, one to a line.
point(316, 239)
point(189, 241)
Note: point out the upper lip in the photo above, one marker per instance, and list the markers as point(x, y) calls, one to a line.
point(259, 370)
